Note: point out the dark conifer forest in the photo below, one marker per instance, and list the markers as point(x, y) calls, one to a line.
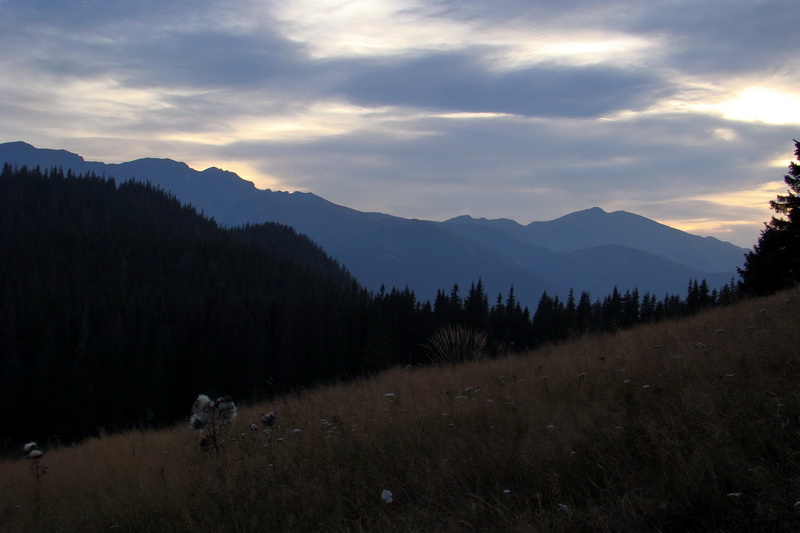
point(118, 305)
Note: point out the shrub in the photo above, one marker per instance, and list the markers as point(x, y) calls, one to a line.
point(456, 344)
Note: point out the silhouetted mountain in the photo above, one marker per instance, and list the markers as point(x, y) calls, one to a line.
point(589, 250)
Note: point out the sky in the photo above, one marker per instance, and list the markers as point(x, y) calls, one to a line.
point(682, 111)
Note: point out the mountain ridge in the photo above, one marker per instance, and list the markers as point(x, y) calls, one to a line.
point(428, 256)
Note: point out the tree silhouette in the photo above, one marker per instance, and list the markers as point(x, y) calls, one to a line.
point(774, 263)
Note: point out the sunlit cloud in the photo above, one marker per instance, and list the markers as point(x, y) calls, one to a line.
point(365, 27)
point(105, 96)
point(576, 48)
point(708, 226)
point(375, 28)
point(738, 215)
point(466, 115)
point(758, 104)
point(303, 123)
point(764, 105)
point(758, 197)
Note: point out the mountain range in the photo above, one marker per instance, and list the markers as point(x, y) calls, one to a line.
point(589, 250)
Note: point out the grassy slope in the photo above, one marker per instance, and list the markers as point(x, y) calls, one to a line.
point(686, 425)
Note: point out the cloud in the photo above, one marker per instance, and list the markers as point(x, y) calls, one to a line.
point(722, 38)
point(517, 109)
point(460, 82)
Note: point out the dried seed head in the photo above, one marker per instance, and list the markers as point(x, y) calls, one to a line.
point(202, 404)
point(268, 419)
point(198, 421)
point(224, 403)
point(30, 447)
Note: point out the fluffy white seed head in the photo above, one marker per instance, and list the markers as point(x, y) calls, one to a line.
point(34, 454)
point(202, 404)
point(30, 447)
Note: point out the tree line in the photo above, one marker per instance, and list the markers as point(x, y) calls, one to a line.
point(119, 305)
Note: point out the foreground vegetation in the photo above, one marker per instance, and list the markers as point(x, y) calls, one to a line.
point(681, 425)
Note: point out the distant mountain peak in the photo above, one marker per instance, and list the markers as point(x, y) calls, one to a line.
point(461, 219)
point(468, 219)
point(598, 210)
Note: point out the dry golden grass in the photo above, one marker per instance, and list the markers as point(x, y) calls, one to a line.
point(683, 425)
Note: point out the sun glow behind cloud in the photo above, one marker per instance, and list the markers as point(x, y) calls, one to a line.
point(759, 104)
point(764, 105)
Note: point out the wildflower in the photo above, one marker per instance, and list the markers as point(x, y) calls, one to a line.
point(34, 454)
point(268, 419)
point(386, 496)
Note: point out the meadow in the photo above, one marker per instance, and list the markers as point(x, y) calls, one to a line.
point(684, 425)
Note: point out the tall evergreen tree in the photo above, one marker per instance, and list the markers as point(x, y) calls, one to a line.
point(774, 263)
point(476, 307)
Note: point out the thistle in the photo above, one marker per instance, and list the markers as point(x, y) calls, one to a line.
point(213, 418)
point(268, 419)
point(226, 408)
point(201, 411)
point(31, 451)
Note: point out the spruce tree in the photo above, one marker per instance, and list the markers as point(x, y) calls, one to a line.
point(774, 263)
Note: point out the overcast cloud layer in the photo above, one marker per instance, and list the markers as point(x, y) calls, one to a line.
point(681, 111)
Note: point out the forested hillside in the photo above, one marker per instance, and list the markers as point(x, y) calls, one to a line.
point(119, 305)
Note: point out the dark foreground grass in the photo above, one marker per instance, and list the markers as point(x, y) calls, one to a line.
point(691, 425)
